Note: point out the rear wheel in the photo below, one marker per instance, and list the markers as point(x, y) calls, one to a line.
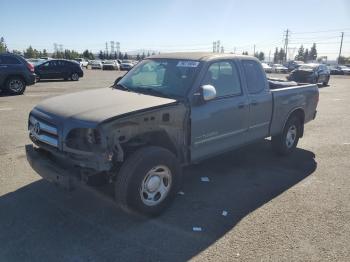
point(15, 85)
point(148, 181)
point(74, 77)
point(286, 142)
point(325, 83)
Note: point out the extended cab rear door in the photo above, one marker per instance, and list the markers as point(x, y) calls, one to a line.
point(219, 124)
point(260, 100)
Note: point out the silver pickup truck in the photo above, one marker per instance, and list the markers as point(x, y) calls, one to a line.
point(169, 111)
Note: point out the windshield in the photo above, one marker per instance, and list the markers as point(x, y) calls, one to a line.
point(161, 77)
point(307, 67)
point(126, 61)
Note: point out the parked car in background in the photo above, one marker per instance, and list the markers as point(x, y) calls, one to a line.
point(82, 62)
point(110, 65)
point(344, 69)
point(96, 64)
point(126, 65)
point(293, 64)
point(335, 70)
point(311, 73)
point(267, 68)
point(15, 74)
point(59, 69)
point(278, 68)
point(35, 61)
point(140, 133)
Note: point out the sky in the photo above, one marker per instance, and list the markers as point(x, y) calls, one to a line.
point(176, 25)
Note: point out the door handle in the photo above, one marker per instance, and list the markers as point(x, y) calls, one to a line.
point(254, 103)
point(3, 66)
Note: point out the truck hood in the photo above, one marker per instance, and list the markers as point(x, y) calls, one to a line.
point(99, 104)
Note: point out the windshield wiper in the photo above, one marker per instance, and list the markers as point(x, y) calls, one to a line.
point(147, 90)
point(121, 86)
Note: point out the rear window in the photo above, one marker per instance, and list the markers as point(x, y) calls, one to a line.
point(254, 77)
point(9, 60)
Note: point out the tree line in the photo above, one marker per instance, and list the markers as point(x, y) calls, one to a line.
point(259, 55)
point(305, 55)
point(278, 57)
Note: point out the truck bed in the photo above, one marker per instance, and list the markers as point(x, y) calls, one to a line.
point(286, 99)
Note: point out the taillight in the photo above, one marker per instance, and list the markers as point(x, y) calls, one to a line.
point(30, 67)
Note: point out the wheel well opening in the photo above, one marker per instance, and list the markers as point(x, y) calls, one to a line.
point(14, 76)
point(160, 139)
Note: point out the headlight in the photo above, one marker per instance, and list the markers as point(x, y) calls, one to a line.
point(85, 139)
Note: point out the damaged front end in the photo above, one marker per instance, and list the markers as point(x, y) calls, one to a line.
point(67, 153)
point(164, 127)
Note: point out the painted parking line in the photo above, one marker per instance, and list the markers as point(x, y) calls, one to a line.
point(38, 95)
point(6, 108)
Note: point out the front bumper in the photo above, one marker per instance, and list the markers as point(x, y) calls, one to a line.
point(44, 164)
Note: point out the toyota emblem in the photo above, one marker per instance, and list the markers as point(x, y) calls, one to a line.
point(36, 128)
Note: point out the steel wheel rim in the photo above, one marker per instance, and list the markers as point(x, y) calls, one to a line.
point(16, 85)
point(75, 76)
point(291, 136)
point(156, 185)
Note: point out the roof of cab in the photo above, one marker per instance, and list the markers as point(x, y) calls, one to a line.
point(201, 56)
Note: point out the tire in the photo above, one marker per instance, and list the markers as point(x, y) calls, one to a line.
point(326, 82)
point(285, 143)
point(138, 186)
point(74, 77)
point(37, 78)
point(15, 85)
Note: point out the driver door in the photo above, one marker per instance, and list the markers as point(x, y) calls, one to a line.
point(220, 124)
point(46, 70)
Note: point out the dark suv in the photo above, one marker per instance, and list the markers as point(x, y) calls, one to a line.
point(59, 68)
point(15, 74)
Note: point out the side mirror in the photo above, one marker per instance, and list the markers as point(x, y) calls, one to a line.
point(208, 92)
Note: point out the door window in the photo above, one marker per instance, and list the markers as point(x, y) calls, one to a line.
point(224, 77)
point(9, 60)
point(52, 64)
point(254, 76)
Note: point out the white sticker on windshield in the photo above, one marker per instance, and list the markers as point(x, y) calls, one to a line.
point(187, 63)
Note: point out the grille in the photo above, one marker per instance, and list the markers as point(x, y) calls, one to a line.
point(43, 131)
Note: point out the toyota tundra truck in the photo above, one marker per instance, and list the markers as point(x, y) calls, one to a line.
point(169, 111)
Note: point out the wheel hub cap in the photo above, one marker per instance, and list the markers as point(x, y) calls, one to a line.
point(291, 136)
point(156, 185)
point(153, 183)
point(15, 85)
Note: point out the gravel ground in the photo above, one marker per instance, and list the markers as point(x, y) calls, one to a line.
point(278, 209)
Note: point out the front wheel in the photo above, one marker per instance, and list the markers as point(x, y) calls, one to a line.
point(148, 181)
point(15, 86)
point(285, 143)
point(74, 77)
